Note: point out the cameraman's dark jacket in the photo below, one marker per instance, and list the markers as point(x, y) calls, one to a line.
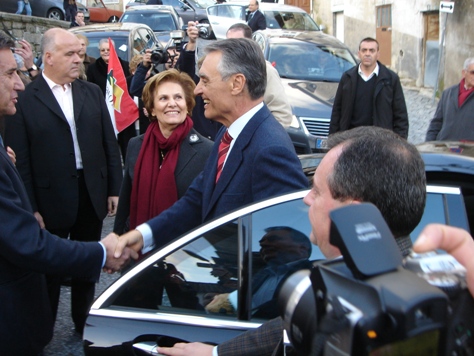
point(388, 105)
point(208, 128)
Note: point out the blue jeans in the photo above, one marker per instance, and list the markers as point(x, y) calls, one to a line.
point(21, 6)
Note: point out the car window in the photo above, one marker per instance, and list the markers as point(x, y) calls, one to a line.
point(189, 277)
point(229, 11)
point(280, 247)
point(203, 4)
point(300, 60)
point(290, 21)
point(120, 43)
point(155, 20)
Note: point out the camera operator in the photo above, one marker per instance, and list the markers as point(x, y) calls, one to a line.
point(366, 164)
point(453, 240)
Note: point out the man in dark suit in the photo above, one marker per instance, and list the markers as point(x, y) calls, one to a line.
point(256, 20)
point(67, 156)
point(356, 152)
point(26, 250)
point(260, 161)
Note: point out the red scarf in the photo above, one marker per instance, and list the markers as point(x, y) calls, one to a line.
point(463, 93)
point(154, 187)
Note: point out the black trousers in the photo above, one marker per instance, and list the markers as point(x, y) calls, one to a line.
point(87, 227)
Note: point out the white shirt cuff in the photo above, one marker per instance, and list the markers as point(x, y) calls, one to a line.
point(214, 351)
point(105, 254)
point(148, 242)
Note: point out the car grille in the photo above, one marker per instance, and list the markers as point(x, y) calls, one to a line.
point(317, 127)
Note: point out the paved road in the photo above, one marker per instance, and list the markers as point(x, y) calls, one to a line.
point(67, 343)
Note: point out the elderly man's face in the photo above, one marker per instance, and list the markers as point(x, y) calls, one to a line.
point(10, 83)
point(215, 92)
point(321, 202)
point(253, 6)
point(468, 76)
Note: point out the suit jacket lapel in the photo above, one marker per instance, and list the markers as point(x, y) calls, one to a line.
point(234, 160)
point(46, 96)
point(78, 95)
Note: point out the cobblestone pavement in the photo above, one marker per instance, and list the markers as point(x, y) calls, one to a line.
point(67, 343)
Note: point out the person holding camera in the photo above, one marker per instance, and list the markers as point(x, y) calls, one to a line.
point(455, 241)
point(397, 189)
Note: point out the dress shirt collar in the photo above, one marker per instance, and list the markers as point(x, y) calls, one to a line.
point(52, 84)
point(238, 125)
point(375, 72)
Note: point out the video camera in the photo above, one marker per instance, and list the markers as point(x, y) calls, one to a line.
point(367, 303)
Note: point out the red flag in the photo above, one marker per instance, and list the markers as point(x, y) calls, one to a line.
point(122, 108)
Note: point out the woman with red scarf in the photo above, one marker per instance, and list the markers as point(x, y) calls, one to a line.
point(161, 164)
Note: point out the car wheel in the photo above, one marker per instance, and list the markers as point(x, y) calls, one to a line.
point(209, 34)
point(55, 14)
point(113, 19)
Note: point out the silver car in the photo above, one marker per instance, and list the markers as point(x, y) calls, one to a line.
point(52, 9)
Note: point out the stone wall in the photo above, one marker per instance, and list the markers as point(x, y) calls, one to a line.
point(31, 28)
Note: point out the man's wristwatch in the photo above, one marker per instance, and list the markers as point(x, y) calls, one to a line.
point(33, 68)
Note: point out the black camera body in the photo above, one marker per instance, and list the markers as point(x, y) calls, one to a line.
point(367, 303)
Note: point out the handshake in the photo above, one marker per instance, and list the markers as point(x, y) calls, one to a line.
point(120, 249)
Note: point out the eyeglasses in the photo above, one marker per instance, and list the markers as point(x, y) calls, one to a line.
point(105, 50)
point(471, 72)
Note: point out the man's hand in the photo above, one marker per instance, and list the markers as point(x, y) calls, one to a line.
point(39, 218)
point(146, 61)
point(113, 264)
point(453, 240)
point(193, 34)
point(132, 239)
point(26, 52)
point(183, 349)
point(112, 203)
point(11, 154)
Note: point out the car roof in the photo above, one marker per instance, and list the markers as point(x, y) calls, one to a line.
point(315, 37)
point(109, 27)
point(267, 6)
point(167, 8)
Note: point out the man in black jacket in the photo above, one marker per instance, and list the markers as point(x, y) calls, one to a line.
point(369, 94)
point(256, 20)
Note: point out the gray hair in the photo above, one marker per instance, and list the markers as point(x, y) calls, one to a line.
point(244, 56)
point(106, 40)
point(468, 62)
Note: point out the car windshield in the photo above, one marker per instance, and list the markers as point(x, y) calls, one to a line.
point(303, 60)
point(158, 22)
point(120, 44)
point(290, 21)
point(203, 4)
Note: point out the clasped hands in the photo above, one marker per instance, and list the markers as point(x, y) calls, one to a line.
point(120, 249)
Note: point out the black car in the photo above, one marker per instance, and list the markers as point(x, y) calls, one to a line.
point(52, 9)
point(162, 19)
point(310, 64)
point(163, 298)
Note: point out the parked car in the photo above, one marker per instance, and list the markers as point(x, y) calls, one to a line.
point(162, 297)
point(162, 19)
point(188, 10)
point(129, 38)
point(278, 16)
point(310, 64)
point(52, 9)
point(100, 13)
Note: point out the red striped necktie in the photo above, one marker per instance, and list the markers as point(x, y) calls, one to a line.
point(223, 149)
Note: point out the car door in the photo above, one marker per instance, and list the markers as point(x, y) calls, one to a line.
point(221, 17)
point(168, 295)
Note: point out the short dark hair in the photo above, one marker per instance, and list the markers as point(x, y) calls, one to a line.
point(241, 27)
point(378, 166)
point(241, 55)
point(170, 75)
point(6, 41)
point(369, 39)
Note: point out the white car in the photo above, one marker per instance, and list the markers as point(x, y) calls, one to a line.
point(278, 16)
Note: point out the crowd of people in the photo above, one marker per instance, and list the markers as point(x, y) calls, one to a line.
point(62, 169)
